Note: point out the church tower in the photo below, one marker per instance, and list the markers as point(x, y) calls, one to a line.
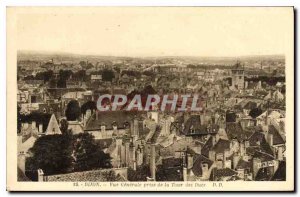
point(238, 76)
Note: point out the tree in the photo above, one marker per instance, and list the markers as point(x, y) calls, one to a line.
point(140, 174)
point(64, 126)
point(88, 154)
point(73, 110)
point(56, 154)
point(52, 154)
point(79, 75)
point(107, 75)
point(92, 105)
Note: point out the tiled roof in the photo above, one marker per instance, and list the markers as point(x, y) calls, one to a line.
point(256, 137)
point(234, 130)
point(264, 174)
point(221, 146)
point(193, 126)
point(263, 156)
point(280, 174)
point(207, 147)
point(109, 118)
point(277, 139)
point(198, 161)
point(250, 105)
point(243, 164)
point(225, 172)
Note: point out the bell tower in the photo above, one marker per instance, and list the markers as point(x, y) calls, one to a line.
point(238, 76)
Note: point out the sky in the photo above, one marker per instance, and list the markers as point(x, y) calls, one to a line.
point(154, 31)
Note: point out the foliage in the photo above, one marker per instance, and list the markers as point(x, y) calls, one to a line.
point(79, 75)
point(92, 105)
point(56, 154)
point(168, 174)
point(73, 110)
point(140, 174)
point(64, 126)
point(52, 154)
point(88, 154)
point(108, 75)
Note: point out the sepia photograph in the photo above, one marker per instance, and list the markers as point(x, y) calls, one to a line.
point(150, 99)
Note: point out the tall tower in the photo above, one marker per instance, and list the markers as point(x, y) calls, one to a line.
point(238, 76)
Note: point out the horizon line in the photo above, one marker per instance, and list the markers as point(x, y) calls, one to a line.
point(138, 56)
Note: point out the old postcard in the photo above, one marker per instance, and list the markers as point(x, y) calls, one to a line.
point(150, 99)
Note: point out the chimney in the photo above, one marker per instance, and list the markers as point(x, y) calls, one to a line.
point(212, 155)
point(139, 156)
point(236, 159)
point(247, 143)
point(270, 139)
point(135, 127)
point(40, 175)
point(213, 140)
point(152, 162)
point(127, 156)
point(227, 164)
point(33, 125)
point(41, 128)
point(190, 161)
point(246, 84)
point(256, 166)
point(119, 151)
point(205, 173)
point(280, 153)
point(184, 173)
point(133, 157)
point(242, 149)
point(219, 164)
point(226, 154)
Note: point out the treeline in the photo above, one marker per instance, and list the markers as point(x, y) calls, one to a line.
point(270, 80)
point(63, 76)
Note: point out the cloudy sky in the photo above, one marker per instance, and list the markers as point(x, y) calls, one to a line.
point(155, 31)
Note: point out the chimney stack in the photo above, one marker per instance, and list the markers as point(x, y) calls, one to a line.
point(33, 125)
point(212, 155)
point(190, 161)
point(152, 162)
point(270, 139)
point(96, 114)
point(184, 173)
point(236, 159)
point(205, 173)
point(40, 175)
point(280, 153)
